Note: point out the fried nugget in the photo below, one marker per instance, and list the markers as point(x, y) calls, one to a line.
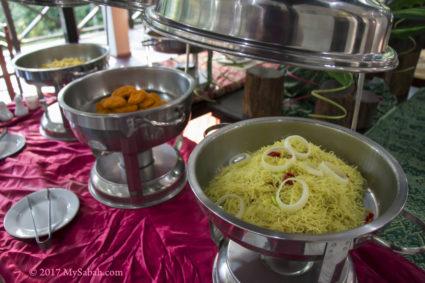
point(155, 96)
point(125, 109)
point(156, 104)
point(124, 91)
point(100, 109)
point(112, 102)
point(148, 101)
point(137, 97)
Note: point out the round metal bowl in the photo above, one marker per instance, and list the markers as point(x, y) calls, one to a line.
point(28, 65)
point(343, 35)
point(386, 191)
point(135, 4)
point(128, 132)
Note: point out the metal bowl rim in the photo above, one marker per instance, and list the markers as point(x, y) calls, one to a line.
point(45, 70)
point(395, 208)
point(365, 62)
point(66, 107)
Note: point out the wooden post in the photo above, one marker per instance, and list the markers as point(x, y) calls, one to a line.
point(263, 92)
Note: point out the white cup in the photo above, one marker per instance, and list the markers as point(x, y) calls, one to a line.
point(31, 101)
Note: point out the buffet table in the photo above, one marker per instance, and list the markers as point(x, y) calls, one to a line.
point(169, 242)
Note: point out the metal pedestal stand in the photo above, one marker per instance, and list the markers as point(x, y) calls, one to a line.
point(53, 124)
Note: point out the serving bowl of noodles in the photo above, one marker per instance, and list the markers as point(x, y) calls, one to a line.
point(61, 64)
point(286, 187)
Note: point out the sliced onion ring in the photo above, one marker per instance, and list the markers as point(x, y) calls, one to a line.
point(311, 169)
point(300, 203)
point(277, 168)
point(334, 171)
point(241, 203)
point(300, 155)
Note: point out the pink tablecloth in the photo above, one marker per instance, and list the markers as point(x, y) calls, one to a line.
point(169, 242)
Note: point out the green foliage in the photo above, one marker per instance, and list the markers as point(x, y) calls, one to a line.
point(409, 18)
point(22, 17)
point(344, 78)
point(405, 4)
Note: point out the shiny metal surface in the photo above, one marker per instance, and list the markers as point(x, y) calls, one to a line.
point(235, 263)
point(134, 4)
point(128, 132)
point(132, 135)
point(385, 178)
point(338, 35)
point(164, 44)
point(161, 180)
point(53, 3)
point(28, 65)
point(52, 125)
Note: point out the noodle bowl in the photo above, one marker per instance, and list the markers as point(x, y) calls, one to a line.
point(330, 190)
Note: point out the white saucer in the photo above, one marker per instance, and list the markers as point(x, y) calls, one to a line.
point(18, 222)
point(11, 144)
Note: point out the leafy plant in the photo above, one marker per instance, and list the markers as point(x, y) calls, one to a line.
point(345, 80)
point(409, 18)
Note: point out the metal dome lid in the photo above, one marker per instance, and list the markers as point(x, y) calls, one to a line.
point(344, 35)
point(125, 4)
point(51, 3)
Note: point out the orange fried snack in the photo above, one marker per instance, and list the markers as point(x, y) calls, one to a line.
point(148, 101)
point(112, 102)
point(137, 97)
point(156, 104)
point(124, 91)
point(125, 109)
point(100, 109)
point(127, 99)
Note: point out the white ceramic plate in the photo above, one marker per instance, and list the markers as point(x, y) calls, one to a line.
point(11, 144)
point(18, 222)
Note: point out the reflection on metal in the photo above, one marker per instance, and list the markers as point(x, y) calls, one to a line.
point(52, 3)
point(134, 4)
point(331, 35)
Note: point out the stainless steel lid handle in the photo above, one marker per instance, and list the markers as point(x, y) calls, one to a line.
point(214, 127)
point(399, 249)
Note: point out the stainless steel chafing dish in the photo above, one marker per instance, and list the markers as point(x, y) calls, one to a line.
point(135, 4)
point(340, 35)
point(244, 247)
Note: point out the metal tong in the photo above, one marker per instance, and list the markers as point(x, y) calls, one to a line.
point(46, 243)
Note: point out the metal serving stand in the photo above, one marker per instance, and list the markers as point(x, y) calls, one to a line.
point(324, 35)
point(135, 166)
point(343, 35)
point(28, 66)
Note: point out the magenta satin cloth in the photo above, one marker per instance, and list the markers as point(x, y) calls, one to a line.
point(169, 242)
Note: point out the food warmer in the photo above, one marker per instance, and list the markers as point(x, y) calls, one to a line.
point(125, 4)
point(341, 35)
point(248, 253)
point(136, 166)
point(336, 35)
point(29, 67)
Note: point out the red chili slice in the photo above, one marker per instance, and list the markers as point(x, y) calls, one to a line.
point(369, 218)
point(286, 176)
point(274, 154)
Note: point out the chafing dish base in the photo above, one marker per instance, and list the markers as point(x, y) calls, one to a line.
point(161, 180)
point(235, 263)
point(52, 126)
